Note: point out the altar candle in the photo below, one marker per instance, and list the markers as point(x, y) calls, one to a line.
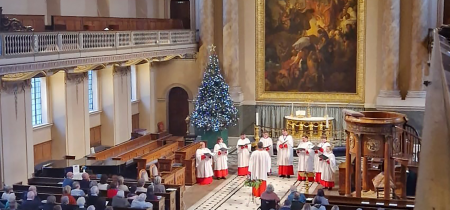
point(292, 109)
point(326, 115)
point(257, 118)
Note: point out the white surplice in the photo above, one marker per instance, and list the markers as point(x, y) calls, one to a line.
point(267, 143)
point(306, 161)
point(204, 167)
point(259, 164)
point(285, 156)
point(220, 161)
point(328, 169)
point(318, 164)
point(243, 154)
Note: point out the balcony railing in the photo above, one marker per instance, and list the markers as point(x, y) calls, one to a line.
point(43, 43)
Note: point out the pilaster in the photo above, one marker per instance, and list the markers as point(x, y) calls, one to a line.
point(147, 105)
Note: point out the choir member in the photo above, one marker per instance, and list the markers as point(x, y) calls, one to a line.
point(243, 151)
point(328, 169)
point(268, 143)
point(220, 159)
point(305, 159)
point(259, 167)
point(285, 155)
point(204, 165)
point(318, 164)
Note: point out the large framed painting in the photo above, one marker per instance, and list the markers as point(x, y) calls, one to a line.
point(310, 50)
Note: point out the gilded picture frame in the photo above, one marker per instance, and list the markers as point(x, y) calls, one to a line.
point(263, 95)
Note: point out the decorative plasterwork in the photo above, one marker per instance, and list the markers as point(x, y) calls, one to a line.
point(68, 63)
point(121, 70)
point(76, 78)
point(135, 62)
point(86, 68)
point(22, 76)
point(166, 58)
point(15, 87)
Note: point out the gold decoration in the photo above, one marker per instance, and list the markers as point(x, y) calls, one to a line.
point(373, 145)
point(256, 136)
point(22, 76)
point(352, 141)
point(86, 68)
point(396, 145)
point(136, 62)
point(261, 94)
point(314, 129)
point(166, 58)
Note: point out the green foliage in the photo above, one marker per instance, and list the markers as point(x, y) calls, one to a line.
point(253, 183)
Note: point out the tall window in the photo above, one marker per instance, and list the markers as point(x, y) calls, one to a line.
point(92, 91)
point(133, 83)
point(36, 101)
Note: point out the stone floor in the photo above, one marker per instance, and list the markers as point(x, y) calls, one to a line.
point(232, 194)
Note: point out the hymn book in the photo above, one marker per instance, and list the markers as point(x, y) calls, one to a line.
point(223, 149)
point(301, 149)
point(241, 145)
point(323, 157)
point(207, 155)
point(315, 148)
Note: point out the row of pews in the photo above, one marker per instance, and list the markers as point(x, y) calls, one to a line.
point(353, 203)
point(175, 163)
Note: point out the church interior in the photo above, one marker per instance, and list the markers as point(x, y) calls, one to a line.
point(224, 104)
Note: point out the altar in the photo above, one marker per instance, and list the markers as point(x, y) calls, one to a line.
point(313, 127)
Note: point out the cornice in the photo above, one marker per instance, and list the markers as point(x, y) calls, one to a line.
point(68, 63)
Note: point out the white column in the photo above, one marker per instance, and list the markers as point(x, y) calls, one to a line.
point(70, 108)
point(389, 95)
point(146, 81)
point(206, 31)
point(116, 105)
point(16, 134)
point(419, 53)
point(231, 48)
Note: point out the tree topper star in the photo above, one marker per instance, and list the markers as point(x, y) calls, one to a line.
point(212, 48)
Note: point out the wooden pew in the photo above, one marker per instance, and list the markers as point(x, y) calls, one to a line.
point(170, 199)
point(178, 139)
point(179, 194)
point(166, 150)
point(159, 135)
point(186, 156)
point(144, 149)
point(120, 148)
point(157, 204)
point(353, 201)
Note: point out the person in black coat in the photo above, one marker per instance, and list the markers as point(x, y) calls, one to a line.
point(51, 202)
point(30, 203)
point(98, 202)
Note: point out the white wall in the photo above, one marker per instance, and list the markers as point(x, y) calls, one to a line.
point(121, 8)
point(24, 7)
point(78, 8)
point(42, 134)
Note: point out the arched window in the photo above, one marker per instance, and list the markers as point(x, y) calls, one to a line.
point(92, 91)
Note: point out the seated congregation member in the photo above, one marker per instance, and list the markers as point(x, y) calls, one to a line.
point(91, 208)
point(270, 195)
point(286, 205)
point(291, 196)
point(8, 191)
point(30, 203)
point(86, 181)
point(243, 151)
point(65, 203)
point(11, 202)
point(140, 185)
point(67, 192)
point(132, 194)
point(95, 200)
point(121, 186)
point(81, 202)
point(204, 165)
point(103, 182)
point(68, 180)
point(321, 196)
point(328, 169)
point(93, 183)
point(119, 200)
point(298, 201)
point(140, 203)
point(151, 192)
point(34, 190)
point(317, 205)
point(57, 207)
point(51, 202)
point(112, 190)
point(335, 207)
point(159, 188)
point(76, 192)
point(220, 160)
point(307, 206)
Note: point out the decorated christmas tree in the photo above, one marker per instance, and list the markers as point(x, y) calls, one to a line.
point(214, 110)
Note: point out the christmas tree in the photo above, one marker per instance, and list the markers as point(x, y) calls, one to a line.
point(214, 109)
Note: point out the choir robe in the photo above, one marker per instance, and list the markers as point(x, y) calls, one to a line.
point(243, 156)
point(328, 170)
point(220, 161)
point(305, 160)
point(204, 167)
point(267, 143)
point(259, 166)
point(285, 155)
point(317, 162)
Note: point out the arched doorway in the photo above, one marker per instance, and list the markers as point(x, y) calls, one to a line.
point(178, 111)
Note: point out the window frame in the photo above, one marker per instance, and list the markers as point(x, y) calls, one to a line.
point(43, 102)
point(133, 84)
point(93, 87)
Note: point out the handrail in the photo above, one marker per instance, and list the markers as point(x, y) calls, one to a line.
point(41, 43)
